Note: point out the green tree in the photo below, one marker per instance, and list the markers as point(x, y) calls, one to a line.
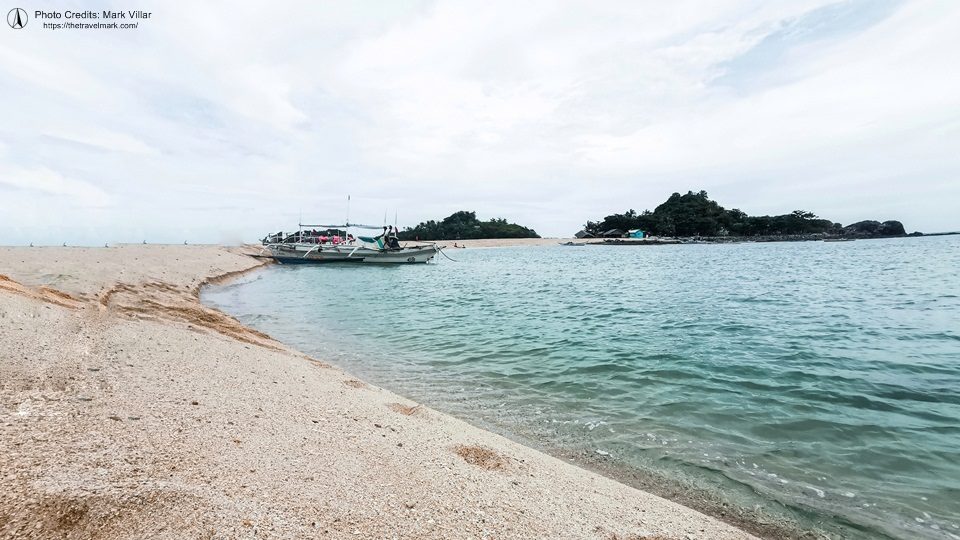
point(694, 214)
point(464, 225)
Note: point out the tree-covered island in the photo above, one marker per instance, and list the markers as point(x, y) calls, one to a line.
point(464, 225)
point(694, 214)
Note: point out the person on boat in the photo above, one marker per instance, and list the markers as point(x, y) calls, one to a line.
point(392, 241)
point(382, 238)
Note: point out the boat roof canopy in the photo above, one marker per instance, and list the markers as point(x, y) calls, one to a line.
point(343, 226)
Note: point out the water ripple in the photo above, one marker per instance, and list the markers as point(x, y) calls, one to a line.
point(812, 381)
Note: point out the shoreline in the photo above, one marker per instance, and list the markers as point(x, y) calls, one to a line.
point(800, 521)
point(679, 490)
point(114, 359)
point(543, 241)
point(668, 240)
point(650, 481)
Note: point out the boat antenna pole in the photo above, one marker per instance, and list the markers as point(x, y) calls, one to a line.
point(348, 216)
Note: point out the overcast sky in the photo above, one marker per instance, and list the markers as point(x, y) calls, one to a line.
point(222, 121)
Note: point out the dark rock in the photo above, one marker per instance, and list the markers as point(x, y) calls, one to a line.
point(892, 228)
point(875, 228)
point(866, 228)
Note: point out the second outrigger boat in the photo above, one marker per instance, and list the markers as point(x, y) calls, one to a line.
point(313, 244)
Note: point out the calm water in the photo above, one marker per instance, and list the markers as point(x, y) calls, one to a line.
point(813, 382)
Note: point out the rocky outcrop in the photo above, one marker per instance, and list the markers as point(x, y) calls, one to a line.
point(870, 228)
point(892, 228)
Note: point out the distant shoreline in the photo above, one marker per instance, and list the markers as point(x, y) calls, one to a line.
point(522, 242)
point(654, 241)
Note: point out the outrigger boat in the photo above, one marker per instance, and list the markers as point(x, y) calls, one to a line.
point(313, 244)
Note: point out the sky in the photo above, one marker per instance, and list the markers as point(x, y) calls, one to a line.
point(221, 121)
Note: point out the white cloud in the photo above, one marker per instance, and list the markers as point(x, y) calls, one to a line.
point(103, 139)
point(546, 113)
point(69, 192)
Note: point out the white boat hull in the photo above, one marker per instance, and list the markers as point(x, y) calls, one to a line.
point(328, 253)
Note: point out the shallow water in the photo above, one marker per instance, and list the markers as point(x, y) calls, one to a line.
point(814, 382)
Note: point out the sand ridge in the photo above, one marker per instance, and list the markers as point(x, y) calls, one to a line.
point(128, 409)
point(44, 294)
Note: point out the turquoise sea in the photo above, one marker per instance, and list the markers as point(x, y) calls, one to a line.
point(810, 384)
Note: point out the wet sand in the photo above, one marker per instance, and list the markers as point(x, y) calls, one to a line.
point(131, 410)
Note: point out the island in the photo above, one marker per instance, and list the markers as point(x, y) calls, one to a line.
point(464, 225)
point(696, 215)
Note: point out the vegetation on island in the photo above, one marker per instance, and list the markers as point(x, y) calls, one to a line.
point(694, 214)
point(464, 225)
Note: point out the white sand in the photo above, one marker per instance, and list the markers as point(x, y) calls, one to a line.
point(131, 411)
point(511, 242)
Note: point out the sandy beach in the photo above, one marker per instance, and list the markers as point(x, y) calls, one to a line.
point(513, 242)
point(130, 410)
